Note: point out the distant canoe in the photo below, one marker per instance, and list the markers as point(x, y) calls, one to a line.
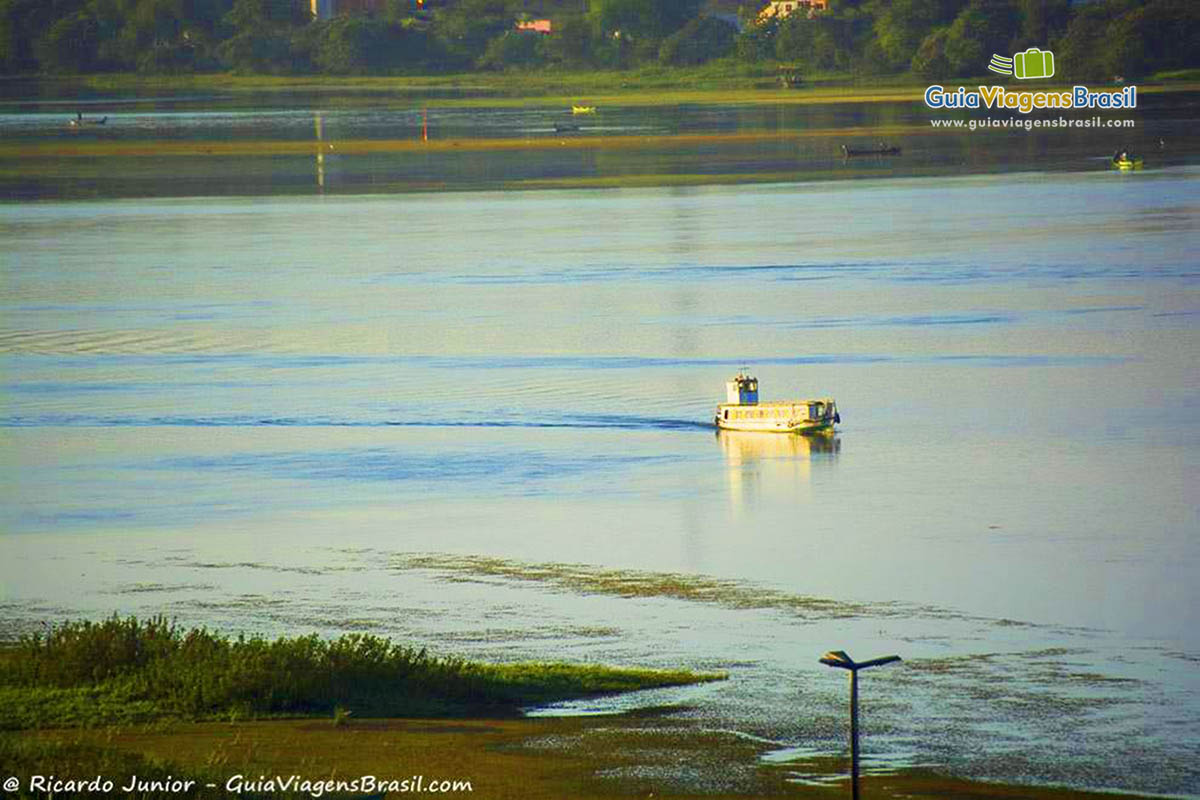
point(850, 152)
point(81, 121)
point(583, 109)
point(1130, 162)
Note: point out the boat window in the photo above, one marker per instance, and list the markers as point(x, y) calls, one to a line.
point(727, 413)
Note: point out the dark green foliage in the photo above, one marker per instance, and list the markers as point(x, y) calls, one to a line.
point(630, 32)
point(514, 49)
point(700, 40)
point(571, 44)
point(468, 27)
point(1098, 39)
point(982, 28)
point(757, 42)
point(1042, 22)
point(70, 44)
point(930, 61)
point(352, 45)
point(643, 19)
point(1128, 39)
point(814, 44)
point(268, 51)
point(901, 25)
point(126, 670)
point(22, 22)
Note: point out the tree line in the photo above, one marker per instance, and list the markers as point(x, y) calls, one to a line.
point(934, 39)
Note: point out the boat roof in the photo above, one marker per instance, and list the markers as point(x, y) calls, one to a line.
point(769, 403)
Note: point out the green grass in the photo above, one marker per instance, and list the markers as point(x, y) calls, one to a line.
point(723, 81)
point(124, 671)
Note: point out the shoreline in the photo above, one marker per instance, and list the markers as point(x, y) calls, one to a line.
point(545, 757)
point(507, 90)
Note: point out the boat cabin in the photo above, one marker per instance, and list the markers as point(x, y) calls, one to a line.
point(741, 390)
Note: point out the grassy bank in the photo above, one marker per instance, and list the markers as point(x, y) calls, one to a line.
point(198, 693)
point(125, 671)
point(714, 83)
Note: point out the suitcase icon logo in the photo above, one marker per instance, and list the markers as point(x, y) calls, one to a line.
point(1033, 63)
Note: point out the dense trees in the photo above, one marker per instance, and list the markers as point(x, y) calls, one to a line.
point(1093, 39)
point(900, 27)
point(1128, 38)
point(700, 39)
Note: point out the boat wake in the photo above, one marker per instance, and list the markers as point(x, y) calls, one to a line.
point(570, 421)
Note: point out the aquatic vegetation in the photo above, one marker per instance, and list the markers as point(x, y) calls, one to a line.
point(130, 670)
point(158, 148)
point(637, 583)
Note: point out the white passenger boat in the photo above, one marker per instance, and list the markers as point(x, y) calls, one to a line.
point(741, 411)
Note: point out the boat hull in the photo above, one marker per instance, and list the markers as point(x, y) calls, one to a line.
point(801, 416)
point(850, 152)
point(823, 426)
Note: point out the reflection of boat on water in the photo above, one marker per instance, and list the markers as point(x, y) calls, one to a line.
point(881, 150)
point(745, 447)
point(763, 469)
point(741, 411)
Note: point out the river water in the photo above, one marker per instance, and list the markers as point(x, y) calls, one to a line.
point(481, 420)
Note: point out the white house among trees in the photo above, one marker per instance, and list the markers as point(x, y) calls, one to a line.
point(778, 9)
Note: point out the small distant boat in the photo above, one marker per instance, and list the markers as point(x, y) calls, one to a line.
point(881, 150)
point(80, 120)
point(741, 411)
point(583, 109)
point(1124, 161)
point(562, 127)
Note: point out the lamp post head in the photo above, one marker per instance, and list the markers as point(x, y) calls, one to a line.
point(838, 658)
point(842, 660)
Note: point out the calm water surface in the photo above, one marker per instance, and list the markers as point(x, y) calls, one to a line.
point(481, 421)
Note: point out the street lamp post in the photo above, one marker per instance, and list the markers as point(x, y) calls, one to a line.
point(839, 659)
